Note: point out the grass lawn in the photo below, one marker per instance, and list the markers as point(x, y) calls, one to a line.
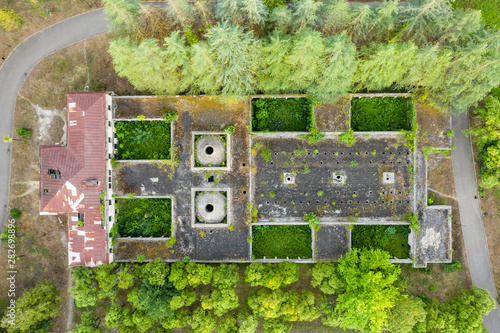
point(391, 238)
point(281, 241)
point(281, 114)
point(382, 114)
point(144, 217)
point(143, 140)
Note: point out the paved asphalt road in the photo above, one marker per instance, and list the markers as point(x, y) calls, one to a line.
point(20, 63)
point(478, 256)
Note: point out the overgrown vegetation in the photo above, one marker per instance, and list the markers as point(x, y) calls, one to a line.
point(281, 241)
point(369, 293)
point(390, 238)
point(146, 217)
point(143, 140)
point(281, 114)
point(379, 114)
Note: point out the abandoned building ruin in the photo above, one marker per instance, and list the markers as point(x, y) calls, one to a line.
point(221, 190)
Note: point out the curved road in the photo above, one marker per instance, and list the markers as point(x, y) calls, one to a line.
point(26, 55)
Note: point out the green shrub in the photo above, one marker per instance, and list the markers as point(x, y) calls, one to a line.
point(16, 213)
point(348, 138)
point(24, 132)
point(143, 140)
point(170, 116)
point(312, 219)
point(146, 217)
point(382, 114)
point(230, 129)
point(414, 222)
point(266, 154)
point(455, 265)
point(274, 3)
point(281, 114)
point(390, 238)
point(294, 241)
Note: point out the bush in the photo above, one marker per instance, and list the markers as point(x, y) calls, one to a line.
point(455, 265)
point(170, 116)
point(348, 138)
point(392, 238)
point(24, 132)
point(16, 213)
point(382, 114)
point(149, 217)
point(143, 140)
point(294, 241)
point(281, 114)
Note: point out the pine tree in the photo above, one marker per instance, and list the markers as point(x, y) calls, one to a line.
point(385, 18)
point(10, 20)
point(336, 15)
point(386, 65)
point(336, 77)
point(306, 13)
point(234, 54)
point(462, 27)
point(361, 21)
point(255, 11)
point(274, 76)
point(178, 60)
point(202, 64)
point(281, 18)
point(229, 10)
point(182, 11)
point(423, 20)
point(122, 14)
point(305, 59)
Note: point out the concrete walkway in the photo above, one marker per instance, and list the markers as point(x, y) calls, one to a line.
point(478, 256)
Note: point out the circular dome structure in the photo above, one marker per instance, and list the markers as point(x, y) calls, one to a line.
point(210, 150)
point(211, 207)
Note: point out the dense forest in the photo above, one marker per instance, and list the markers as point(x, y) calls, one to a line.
point(325, 49)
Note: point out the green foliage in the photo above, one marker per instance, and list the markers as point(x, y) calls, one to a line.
point(182, 274)
point(143, 140)
point(125, 279)
point(156, 272)
point(202, 321)
point(141, 258)
point(276, 326)
point(230, 129)
point(234, 60)
point(348, 138)
point(106, 280)
point(89, 323)
point(16, 213)
point(170, 116)
point(406, 314)
point(24, 132)
point(225, 276)
point(266, 154)
point(414, 222)
point(221, 301)
point(147, 217)
point(326, 277)
point(489, 9)
point(305, 14)
point(122, 14)
point(381, 114)
point(227, 325)
point(10, 20)
point(274, 3)
point(455, 265)
point(155, 300)
point(295, 241)
point(312, 219)
point(34, 309)
point(255, 11)
point(177, 320)
point(186, 298)
point(354, 164)
point(393, 239)
point(450, 133)
point(281, 114)
point(114, 315)
point(371, 289)
point(272, 276)
point(85, 289)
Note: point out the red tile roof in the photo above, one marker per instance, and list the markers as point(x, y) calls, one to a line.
point(83, 160)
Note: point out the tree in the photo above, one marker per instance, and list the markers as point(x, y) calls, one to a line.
point(125, 279)
point(122, 14)
point(10, 20)
point(423, 20)
point(249, 324)
point(202, 321)
point(229, 10)
point(276, 326)
point(339, 60)
point(361, 21)
point(153, 299)
point(371, 289)
point(178, 275)
point(89, 323)
point(305, 13)
point(271, 276)
point(234, 54)
point(386, 15)
point(305, 58)
point(221, 300)
point(34, 309)
point(186, 298)
point(156, 272)
point(281, 18)
point(274, 76)
point(327, 278)
point(177, 320)
point(85, 290)
point(462, 27)
point(106, 280)
point(406, 314)
point(179, 60)
point(336, 15)
point(142, 321)
point(227, 325)
point(255, 11)
point(182, 11)
point(114, 315)
point(226, 276)
point(386, 65)
point(198, 274)
point(202, 65)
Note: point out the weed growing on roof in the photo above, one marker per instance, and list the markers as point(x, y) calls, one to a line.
point(170, 116)
point(382, 114)
point(144, 217)
point(266, 154)
point(348, 138)
point(281, 114)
